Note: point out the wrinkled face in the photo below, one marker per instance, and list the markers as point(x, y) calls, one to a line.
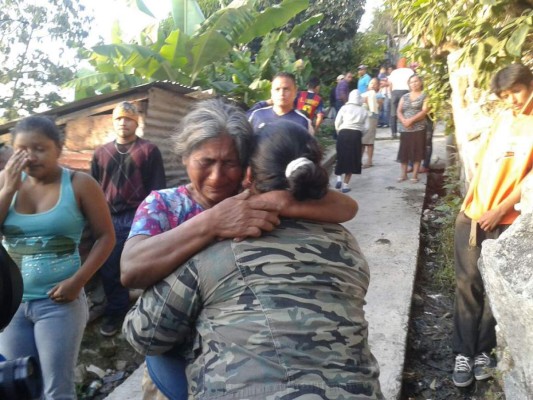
point(516, 96)
point(125, 129)
point(283, 92)
point(415, 83)
point(373, 84)
point(214, 171)
point(42, 153)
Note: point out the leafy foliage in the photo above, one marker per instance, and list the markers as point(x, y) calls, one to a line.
point(328, 44)
point(29, 73)
point(370, 48)
point(487, 34)
point(215, 55)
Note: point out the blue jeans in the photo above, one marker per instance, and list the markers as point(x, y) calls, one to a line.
point(51, 333)
point(117, 296)
point(384, 113)
point(168, 374)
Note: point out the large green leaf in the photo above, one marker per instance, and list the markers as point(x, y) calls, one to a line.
point(217, 37)
point(300, 29)
point(224, 86)
point(174, 49)
point(516, 40)
point(187, 15)
point(139, 5)
point(273, 18)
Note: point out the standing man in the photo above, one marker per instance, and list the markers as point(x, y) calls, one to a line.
point(398, 85)
point(505, 159)
point(128, 169)
point(310, 103)
point(280, 105)
point(343, 90)
point(364, 79)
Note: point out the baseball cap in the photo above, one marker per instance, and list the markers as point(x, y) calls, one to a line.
point(340, 77)
point(362, 66)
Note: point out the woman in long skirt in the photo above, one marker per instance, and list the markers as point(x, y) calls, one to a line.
point(350, 124)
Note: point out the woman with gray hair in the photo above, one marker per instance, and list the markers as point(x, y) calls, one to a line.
point(213, 143)
point(280, 316)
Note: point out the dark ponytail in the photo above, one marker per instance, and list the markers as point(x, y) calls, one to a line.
point(278, 144)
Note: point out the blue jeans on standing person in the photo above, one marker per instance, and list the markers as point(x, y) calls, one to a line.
point(52, 333)
point(384, 113)
point(117, 295)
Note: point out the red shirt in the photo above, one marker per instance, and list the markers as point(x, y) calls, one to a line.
point(310, 103)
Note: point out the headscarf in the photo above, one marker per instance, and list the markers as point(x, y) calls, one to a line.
point(355, 98)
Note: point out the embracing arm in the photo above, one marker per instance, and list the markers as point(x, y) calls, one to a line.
point(94, 207)
point(334, 207)
point(165, 313)
point(148, 259)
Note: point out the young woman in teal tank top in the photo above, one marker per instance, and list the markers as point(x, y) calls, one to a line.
point(43, 208)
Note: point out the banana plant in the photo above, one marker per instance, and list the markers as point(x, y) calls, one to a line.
point(165, 51)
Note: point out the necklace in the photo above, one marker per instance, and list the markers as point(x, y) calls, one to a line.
point(129, 146)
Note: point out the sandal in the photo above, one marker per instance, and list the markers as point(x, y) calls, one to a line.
point(368, 165)
point(414, 180)
point(400, 179)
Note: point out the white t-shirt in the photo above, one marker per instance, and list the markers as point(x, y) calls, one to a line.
point(399, 77)
point(371, 101)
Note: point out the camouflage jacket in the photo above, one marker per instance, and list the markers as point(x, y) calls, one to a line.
point(279, 317)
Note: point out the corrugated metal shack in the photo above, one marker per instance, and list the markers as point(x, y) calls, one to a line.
point(87, 123)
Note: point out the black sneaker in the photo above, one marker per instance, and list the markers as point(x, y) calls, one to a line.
point(111, 325)
point(462, 372)
point(483, 366)
point(338, 184)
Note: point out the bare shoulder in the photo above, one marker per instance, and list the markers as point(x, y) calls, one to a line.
point(83, 182)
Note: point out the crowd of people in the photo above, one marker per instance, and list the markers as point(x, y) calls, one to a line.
point(252, 289)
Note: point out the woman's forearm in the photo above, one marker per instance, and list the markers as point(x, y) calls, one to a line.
point(98, 254)
point(334, 207)
point(148, 259)
point(6, 197)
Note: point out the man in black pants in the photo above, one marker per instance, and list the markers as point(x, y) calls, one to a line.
point(488, 209)
point(128, 169)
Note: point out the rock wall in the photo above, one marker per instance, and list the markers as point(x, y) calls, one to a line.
point(506, 265)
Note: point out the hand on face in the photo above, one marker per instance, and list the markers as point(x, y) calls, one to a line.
point(13, 170)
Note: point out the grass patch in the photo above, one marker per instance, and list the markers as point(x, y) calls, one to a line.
point(447, 208)
point(325, 135)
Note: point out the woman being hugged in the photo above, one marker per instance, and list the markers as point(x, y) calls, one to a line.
point(43, 209)
point(412, 111)
point(172, 225)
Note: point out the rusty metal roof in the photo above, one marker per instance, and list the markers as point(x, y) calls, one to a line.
point(89, 102)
